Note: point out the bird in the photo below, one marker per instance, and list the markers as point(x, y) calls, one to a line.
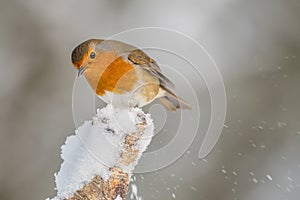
point(123, 75)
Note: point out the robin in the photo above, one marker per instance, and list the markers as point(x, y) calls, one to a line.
point(123, 75)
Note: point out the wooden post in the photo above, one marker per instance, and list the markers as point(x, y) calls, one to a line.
point(116, 186)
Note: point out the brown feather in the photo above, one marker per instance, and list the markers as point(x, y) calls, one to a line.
point(140, 58)
point(172, 101)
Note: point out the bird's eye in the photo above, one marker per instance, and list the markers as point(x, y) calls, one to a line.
point(92, 55)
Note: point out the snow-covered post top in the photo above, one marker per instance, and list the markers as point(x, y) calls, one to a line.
point(99, 159)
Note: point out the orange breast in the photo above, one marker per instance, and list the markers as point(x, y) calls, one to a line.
point(111, 73)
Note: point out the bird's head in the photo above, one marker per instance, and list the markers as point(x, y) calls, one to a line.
point(85, 55)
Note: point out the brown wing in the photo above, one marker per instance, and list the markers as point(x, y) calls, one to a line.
point(138, 57)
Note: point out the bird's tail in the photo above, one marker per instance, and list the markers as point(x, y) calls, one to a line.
point(172, 101)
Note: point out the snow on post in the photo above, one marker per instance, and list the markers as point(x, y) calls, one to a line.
point(99, 159)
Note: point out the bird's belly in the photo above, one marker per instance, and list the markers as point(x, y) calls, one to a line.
point(141, 95)
point(117, 100)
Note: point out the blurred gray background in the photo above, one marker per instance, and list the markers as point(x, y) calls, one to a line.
point(256, 45)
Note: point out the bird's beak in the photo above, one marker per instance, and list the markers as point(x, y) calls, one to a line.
point(81, 70)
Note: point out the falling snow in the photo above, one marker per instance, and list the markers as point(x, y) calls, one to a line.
point(255, 180)
point(281, 124)
point(134, 192)
point(193, 188)
point(269, 177)
point(173, 196)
